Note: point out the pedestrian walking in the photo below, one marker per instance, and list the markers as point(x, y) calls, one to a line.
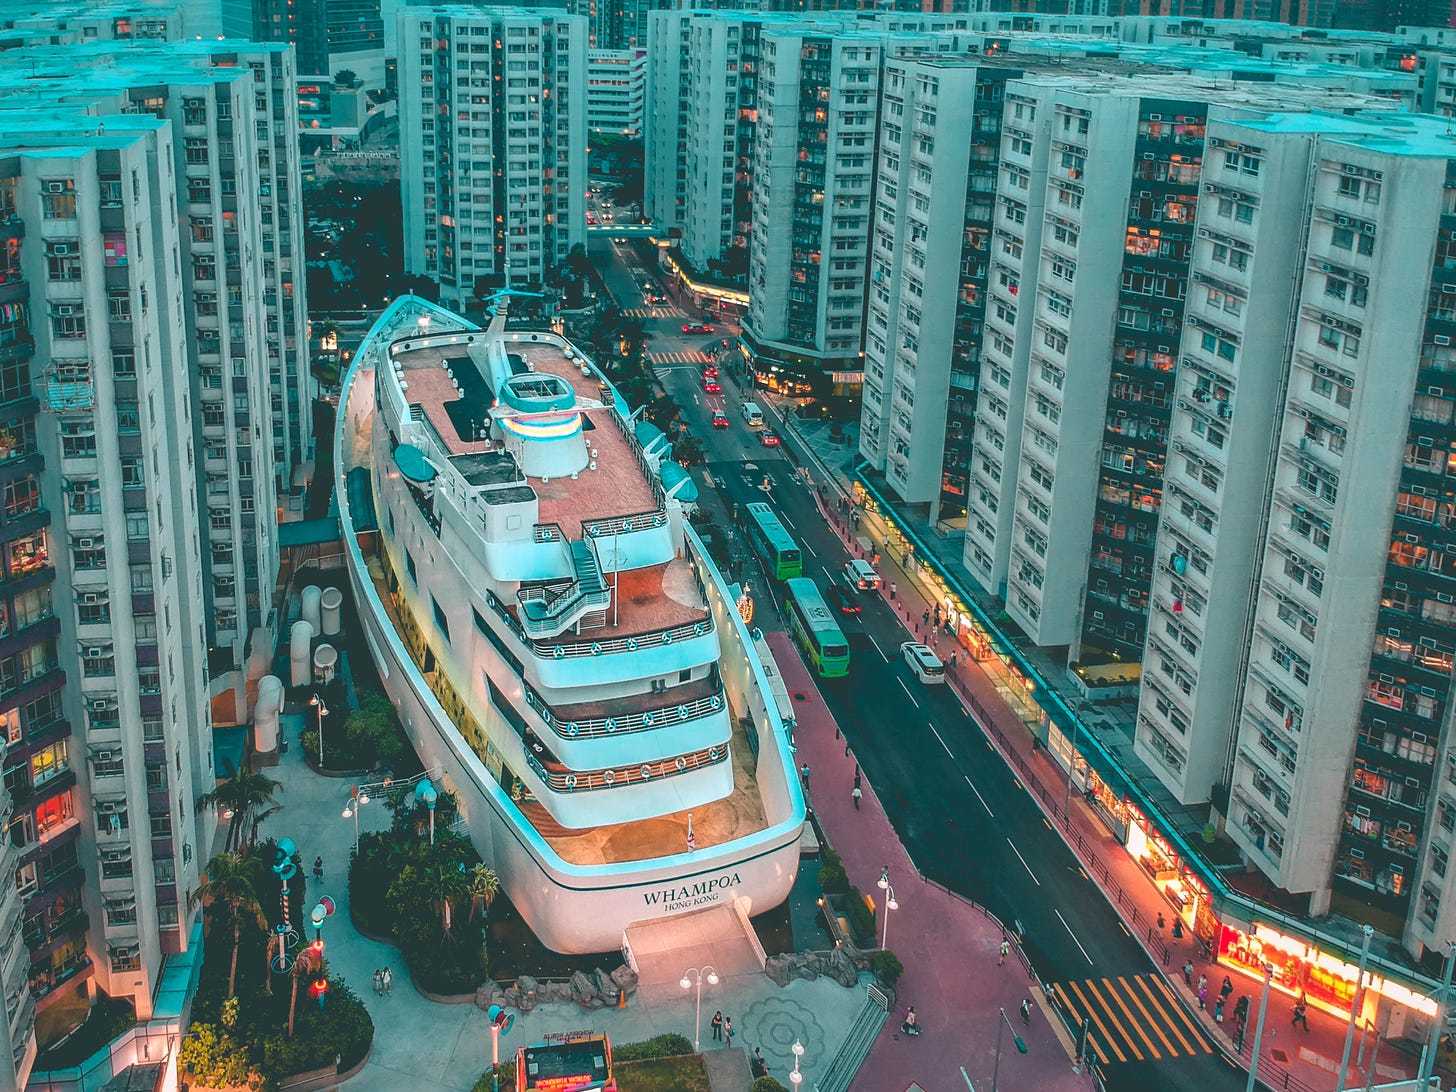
point(1162, 922)
point(937, 615)
point(856, 779)
point(892, 590)
point(1227, 987)
point(855, 796)
point(955, 658)
point(876, 561)
point(717, 1025)
point(1218, 1010)
point(1188, 973)
point(804, 774)
point(1005, 951)
point(387, 980)
point(1202, 981)
point(728, 1030)
point(1026, 1012)
point(1299, 1016)
point(378, 981)
point(1241, 1009)
point(318, 868)
point(1203, 998)
point(925, 617)
point(1177, 928)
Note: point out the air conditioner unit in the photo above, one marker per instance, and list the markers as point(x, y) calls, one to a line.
point(104, 756)
point(1350, 168)
point(65, 309)
point(59, 249)
point(55, 187)
point(85, 543)
point(1343, 221)
point(95, 652)
point(93, 598)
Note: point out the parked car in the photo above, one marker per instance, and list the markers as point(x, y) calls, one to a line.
point(768, 438)
point(840, 600)
point(696, 328)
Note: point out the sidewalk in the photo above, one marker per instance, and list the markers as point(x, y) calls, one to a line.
point(1295, 1060)
point(948, 944)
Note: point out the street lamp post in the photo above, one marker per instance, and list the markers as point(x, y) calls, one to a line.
point(691, 975)
point(427, 794)
point(358, 797)
point(796, 1078)
point(1017, 1039)
point(1428, 1052)
point(1355, 1006)
point(322, 710)
point(1259, 1029)
point(890, 904)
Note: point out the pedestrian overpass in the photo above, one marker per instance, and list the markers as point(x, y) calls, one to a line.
point(624, 231)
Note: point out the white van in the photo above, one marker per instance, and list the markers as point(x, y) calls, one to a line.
point(752, 415)
point(925, 663)
point(861, 576)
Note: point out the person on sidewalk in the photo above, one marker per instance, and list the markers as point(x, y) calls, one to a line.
point(804, 775)
point(1188, 973)
point(728, 1030)
point(717, 1025)
point(1005, 951)
point(1241, 1009)
point(386, 979)
point(856, 795)
point(1202, 981)
point(1227, 988)
point(1162, 922)
point(1299, 1016)
point(925, 617)
point(857, 780)
point(1202, 997)
point(1177, 928)
point(318, 869)
point(1026, 1012)
point(378, 981)
point(892, 591)
point(1218, 1010)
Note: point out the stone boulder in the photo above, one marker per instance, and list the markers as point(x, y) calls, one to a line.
point(625, 978)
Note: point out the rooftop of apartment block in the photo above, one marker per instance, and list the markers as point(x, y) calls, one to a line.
point(1416, 135)
point(21, 14)
point(62, 132)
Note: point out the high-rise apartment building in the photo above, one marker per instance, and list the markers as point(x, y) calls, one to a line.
point(618, 24)
point(495, 185)
point(155, 407)
point(615, 84)
point(303, 24)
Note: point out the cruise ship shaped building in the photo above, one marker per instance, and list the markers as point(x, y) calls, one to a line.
point(553, 633)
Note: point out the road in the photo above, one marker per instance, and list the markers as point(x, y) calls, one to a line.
point(964, 816)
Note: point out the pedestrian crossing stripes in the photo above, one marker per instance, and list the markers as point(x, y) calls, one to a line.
point(652, 312)
point(687, 356)
point(1131, 1019)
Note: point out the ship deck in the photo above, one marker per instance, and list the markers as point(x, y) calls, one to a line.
point(737, 815)
point(619, 486)
point(649, 600)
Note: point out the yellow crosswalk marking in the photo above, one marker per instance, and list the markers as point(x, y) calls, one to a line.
point(1177, 1009)
point(1135, 1015)
point(1127, 1036)
point(1142, 1033)
point(1107, 1038)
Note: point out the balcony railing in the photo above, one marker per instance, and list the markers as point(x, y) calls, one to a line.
point(589, 781)
point(558, 651)
point(625, 525)
point(627, 723)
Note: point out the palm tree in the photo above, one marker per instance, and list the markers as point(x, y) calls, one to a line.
point(242, 794)
point(484, 884)
point(231, 880)
point(303, 967)
point(443, 883)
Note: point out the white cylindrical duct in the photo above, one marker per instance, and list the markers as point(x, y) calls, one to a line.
point(330, 605)
point(311, 607)
point(300, 638)
point(265, 714)
point(325, 663)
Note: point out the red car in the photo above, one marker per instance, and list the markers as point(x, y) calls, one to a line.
point(712, 386)
point(768, 438)
point(720, 419)
point(696, 328)
point(710, 371)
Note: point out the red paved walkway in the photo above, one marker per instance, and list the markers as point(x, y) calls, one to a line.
point(949, 946)
point(1290, 1058)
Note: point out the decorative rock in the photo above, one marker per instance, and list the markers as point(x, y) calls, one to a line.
point(625, 978)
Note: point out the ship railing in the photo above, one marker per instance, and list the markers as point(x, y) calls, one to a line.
point(548, 532)
point(625, 723)
point(566, 650)
point(561, 611)
point(566, 781)
point(625, 525)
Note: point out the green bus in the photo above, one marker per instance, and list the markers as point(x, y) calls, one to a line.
point(774, 544)
point(813, 626)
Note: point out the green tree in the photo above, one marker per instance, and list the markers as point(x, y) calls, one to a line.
point(663, 411)
point(443, 883)
point(484, 885)
point(243, 794)
point(688, 450)
point(231, 881)
point(215, 1058)
point(373, 730)
point(345, 77)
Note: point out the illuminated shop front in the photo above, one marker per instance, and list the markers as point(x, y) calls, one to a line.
point(1185, 892)
point(1300, 969)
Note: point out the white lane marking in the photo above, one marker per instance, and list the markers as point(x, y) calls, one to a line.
point(945, 745)
point(979, 797)
point(830, 576)
point(785, 519)
point(877, 646)
point(906, 689)
point(1024, 865)
point(1071, 934)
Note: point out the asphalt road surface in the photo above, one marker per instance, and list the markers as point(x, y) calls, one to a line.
point(964, 816)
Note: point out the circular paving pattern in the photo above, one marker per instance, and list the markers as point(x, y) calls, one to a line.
point(773, 1024)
